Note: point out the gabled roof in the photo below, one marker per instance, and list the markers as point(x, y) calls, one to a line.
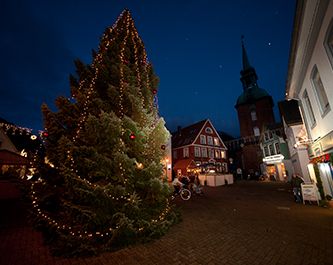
point(187, 135)
point(289, 110)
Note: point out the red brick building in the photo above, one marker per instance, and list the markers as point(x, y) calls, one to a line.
point(198, 147)
point(255, 110)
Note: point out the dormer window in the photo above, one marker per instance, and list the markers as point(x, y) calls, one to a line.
point(209, 130)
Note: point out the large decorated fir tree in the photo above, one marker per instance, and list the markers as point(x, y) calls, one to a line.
point(103, 186)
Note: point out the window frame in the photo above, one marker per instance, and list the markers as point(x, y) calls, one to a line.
point(319, 91)
point(186, 152)
point(254, 115)
point(203, 139)
point(309, 114)
point(197, 151)
point(329, 47)
point(277, 148)
point(210, 140)
point(204, 152)
point(256, 129)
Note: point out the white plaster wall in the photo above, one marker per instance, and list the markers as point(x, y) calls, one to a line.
point(319, 57)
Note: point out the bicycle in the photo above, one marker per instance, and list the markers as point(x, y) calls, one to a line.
point(184, 193)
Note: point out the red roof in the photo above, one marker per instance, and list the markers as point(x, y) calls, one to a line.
point(10, 158)
point(187, 135)
point(185, 163)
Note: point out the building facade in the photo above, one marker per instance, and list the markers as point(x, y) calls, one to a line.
point(276, 159)
point(310, 82)
point(197, 148)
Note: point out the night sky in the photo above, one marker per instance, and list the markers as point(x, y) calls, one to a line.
point(194, 47)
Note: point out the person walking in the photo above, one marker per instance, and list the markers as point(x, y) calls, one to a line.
point(296, 182)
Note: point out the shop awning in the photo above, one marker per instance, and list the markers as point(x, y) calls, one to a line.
point(10, 158)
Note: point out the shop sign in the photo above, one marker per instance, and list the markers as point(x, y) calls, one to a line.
point(273, 159)
point(309, 192)
point(321, 159)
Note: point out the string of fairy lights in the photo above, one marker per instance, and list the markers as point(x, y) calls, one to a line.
point(95, 65)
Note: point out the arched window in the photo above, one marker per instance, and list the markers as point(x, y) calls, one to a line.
point(209, 130)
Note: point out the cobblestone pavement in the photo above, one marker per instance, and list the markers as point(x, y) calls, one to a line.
point(247, 223)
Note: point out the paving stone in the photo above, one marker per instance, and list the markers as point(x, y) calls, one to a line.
point(250, 223)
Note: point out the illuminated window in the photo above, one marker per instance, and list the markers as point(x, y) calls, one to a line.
point(203, 139)
point(197, 152)
point(319, 90)
point(217, 153)
point(223, 154)
point(308, 108)
point(216, 141)
point(186, 152)
point(204, 152)
point(210, 140)
point(328, 42)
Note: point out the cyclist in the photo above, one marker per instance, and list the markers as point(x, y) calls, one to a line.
point(177, 184)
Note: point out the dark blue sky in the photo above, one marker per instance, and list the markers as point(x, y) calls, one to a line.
point(194, 46)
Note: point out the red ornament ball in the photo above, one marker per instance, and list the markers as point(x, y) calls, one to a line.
point(132, 136)
point(45, 134)
point(154, 91)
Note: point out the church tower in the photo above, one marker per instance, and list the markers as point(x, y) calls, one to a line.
point(255, 110)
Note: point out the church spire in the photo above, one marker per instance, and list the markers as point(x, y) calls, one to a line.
point(246, 63)
point(248, 74)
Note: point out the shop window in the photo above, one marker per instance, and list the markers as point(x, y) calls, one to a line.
point(319, 90)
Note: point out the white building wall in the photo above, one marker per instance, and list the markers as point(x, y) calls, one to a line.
point(319, 57)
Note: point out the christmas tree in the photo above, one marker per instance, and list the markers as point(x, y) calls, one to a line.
point(103, 185)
